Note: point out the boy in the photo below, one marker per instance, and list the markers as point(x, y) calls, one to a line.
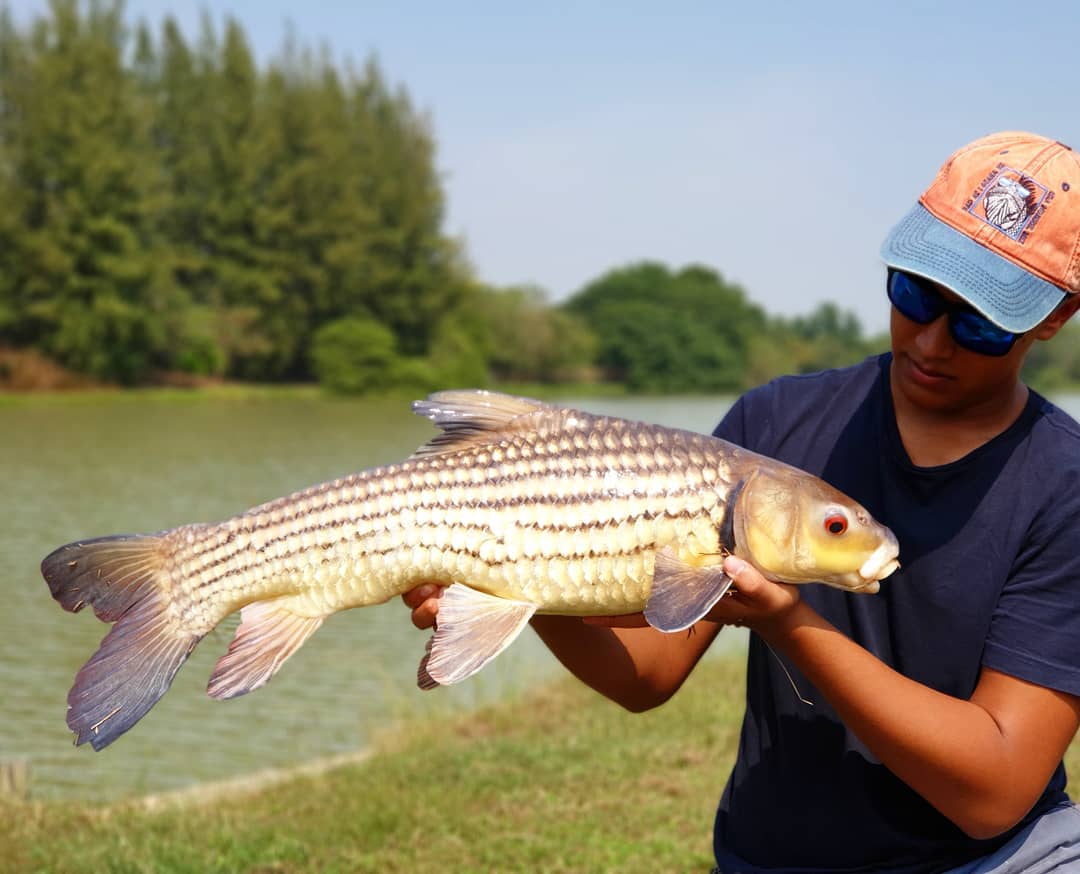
point(943, 705)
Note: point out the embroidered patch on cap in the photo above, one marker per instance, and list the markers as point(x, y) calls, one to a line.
point(1010, 201)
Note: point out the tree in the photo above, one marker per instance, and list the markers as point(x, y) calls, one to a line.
point(354, 355)
point(1055, 366)
point(663, 331)
point(11, 207)
point(166, 205)
point(827, 337)
point(311, 220)
point(525, 339)
point(410, 274)
point(88, 289)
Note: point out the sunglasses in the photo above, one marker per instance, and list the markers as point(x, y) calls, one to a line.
point(918, 300)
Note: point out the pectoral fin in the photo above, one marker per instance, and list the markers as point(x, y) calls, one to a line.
point(682, 593)
point(472, 628)
point(269, 632)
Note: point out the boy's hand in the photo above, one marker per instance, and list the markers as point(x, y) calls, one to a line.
point(424, 603)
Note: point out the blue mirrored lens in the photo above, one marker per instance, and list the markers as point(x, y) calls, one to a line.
point(975, 332)
point(920, 302)
point(915, 300)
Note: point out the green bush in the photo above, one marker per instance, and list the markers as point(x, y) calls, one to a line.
point(456, 358)
point(355, 355)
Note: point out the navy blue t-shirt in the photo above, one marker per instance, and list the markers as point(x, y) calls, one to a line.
point(990, 576)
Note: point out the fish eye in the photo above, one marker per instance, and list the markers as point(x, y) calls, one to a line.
point(836, 523)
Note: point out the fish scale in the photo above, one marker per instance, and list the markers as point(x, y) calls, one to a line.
point(516, 507)
point(537, 533)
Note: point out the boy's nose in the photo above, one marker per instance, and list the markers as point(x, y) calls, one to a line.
point(934, 338)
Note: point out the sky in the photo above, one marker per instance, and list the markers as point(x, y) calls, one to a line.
point(776, 142)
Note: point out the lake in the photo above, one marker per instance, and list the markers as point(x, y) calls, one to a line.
point(83, 466)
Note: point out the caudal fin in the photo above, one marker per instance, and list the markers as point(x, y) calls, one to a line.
point(123, 580)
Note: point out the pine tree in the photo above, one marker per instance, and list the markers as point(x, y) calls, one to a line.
point(408, 276)
point(201, 343)
point(11, 315)
point(164, 205)
point(90, 290)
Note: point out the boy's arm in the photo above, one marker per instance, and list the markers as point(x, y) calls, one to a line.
point(982, 762)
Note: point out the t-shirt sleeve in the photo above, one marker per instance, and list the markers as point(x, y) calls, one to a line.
point(1035, 629)
point(733, 426)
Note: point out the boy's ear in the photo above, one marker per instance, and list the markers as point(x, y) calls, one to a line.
point(1057, 319)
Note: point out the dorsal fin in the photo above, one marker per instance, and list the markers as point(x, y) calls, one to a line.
point(469, 417)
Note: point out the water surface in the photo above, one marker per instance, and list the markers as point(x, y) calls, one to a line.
point(77, 468)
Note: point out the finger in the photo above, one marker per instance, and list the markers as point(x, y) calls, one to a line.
point(756, 595)
point(415, 597)
point(424, 616)
point(627, 620)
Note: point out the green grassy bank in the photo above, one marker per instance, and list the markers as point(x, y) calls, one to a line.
point(556, 780)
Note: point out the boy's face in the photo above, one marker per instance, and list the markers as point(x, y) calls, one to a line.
point(937, 375)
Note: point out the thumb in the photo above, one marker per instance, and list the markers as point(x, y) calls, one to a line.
point(747, 580)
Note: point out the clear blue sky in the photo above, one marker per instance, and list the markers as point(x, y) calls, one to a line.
point(774, 141)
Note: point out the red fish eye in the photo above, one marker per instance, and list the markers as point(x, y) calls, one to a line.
point(836, 523)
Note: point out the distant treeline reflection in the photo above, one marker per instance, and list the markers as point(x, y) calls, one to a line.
point(170, 210)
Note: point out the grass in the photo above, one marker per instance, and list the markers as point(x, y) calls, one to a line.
point(555, 780)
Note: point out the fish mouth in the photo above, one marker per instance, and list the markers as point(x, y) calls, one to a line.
point(882, 562)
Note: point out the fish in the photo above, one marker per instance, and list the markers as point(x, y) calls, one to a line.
point(517, 506)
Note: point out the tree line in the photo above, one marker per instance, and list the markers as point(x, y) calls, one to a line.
point(169, 206)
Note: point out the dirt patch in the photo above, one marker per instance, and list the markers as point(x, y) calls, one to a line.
point(28, 370)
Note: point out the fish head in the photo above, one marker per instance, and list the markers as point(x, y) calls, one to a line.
point(796, 528)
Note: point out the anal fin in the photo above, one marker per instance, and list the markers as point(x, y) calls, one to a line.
point(682, 593)
point(472, 628)
point(269, 632)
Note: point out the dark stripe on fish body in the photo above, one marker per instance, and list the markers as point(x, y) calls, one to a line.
point(262, 556)
point(222, 536)
point(452, 491)
point(368, 513)
point(210, 589)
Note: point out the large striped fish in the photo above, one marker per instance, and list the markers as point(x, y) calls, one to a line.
point(520, 507)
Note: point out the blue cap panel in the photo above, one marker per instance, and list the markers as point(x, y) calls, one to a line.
point(1006, 294)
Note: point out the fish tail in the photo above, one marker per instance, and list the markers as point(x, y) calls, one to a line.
point(125, 580)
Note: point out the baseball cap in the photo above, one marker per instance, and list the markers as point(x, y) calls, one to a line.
point(999, 226)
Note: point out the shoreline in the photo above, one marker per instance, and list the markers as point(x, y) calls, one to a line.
point(234, 788)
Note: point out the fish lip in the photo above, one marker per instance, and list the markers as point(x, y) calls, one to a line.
point(889, 569)
point(881, 563)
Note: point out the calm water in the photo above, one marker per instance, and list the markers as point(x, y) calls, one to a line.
point(81, 468)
